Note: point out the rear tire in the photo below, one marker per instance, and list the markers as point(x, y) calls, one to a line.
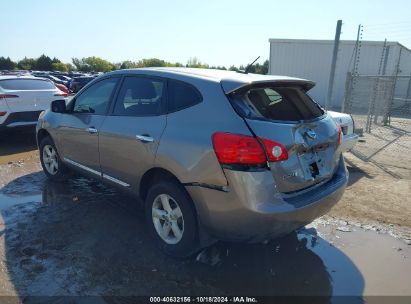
point(50, 160)
point(171, 219)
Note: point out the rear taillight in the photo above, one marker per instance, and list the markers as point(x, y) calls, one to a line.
point(340, 134)
point(3, 113)
point(238, 149)
point(4, 96)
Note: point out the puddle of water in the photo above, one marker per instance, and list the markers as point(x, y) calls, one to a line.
point(7, 201)
point(383, 261)
point(95, 240)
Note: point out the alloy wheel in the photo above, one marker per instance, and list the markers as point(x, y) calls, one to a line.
point(167, 219)
point(50, 159)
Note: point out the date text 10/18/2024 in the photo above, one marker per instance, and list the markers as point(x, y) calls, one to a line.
point(203, 300)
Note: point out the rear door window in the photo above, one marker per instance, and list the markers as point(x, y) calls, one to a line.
point(26, 84)
point(140, 96)
point(181, 95)
point(276, 103)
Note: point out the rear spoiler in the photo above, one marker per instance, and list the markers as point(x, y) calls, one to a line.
point(233, 86)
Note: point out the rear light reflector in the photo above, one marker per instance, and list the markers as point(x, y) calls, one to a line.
point(3, 96)
point(238, 149)
point(3, 113)
point(275, 151)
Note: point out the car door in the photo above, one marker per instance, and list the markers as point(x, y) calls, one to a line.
point(79, 129)
point(130, 135)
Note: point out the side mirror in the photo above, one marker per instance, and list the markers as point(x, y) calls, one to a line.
point(58, 106)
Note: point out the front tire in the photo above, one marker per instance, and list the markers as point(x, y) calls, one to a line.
point(50, 160)
point(171, 218)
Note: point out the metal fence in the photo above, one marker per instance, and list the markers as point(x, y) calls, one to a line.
point(381, 109)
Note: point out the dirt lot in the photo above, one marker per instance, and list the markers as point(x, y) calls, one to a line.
point(83, 238)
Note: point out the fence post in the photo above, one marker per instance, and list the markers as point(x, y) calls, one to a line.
point(333, 65)
point(408, 89)
point(387, 112)
point(345, 105)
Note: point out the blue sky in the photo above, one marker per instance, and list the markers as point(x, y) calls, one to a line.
point(221, 32)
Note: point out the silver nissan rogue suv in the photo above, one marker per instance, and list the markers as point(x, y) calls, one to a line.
point(214, 155)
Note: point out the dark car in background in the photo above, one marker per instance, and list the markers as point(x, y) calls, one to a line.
point(77, 83)
point(51, 77)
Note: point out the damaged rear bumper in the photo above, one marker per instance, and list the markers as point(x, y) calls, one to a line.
point(253, 210)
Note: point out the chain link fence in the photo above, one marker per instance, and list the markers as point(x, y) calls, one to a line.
point(381, 109)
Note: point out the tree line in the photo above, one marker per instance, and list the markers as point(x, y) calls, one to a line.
point(97, 64)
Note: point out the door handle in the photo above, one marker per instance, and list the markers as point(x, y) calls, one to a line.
point(144, 138)
point(91, 130)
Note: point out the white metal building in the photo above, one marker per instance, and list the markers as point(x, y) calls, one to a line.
point(311, 59)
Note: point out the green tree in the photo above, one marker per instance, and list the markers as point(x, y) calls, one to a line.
point(60, 66)
point(194, 62)
point(78, 63)
point(258, 68)
point(70, 67)
point(93, 63)
point(176, 64)
point(7, 64)
point(218, 67)
point(26, 64)
point(151, 62)
point(44, 63)
point(128, 64)
point(98, 64)
point(55, 60)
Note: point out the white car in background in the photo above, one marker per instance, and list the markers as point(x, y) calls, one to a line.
point(22, 98)
point(347, 125)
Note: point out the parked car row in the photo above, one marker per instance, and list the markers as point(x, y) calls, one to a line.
point(70, 82)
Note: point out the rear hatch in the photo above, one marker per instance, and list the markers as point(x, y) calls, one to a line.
point(284, 113)
point(22, 94)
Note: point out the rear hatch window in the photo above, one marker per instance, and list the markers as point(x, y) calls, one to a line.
point(276, 103)
point(286, 115)
point(26, 84)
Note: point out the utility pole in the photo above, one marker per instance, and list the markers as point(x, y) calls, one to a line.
point(333, 64)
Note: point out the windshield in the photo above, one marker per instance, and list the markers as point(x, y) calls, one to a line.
point(276, 103)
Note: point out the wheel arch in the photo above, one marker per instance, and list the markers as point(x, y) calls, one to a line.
point(151, 176)
point(41, 134)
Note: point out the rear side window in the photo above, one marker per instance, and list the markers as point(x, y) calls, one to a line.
point(26, 84)
point(276, 103)
point(182, 95)
point(140, 96)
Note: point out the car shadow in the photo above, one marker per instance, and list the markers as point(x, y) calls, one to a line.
point(356, 173)
point(17, 141)
point(84, 238)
